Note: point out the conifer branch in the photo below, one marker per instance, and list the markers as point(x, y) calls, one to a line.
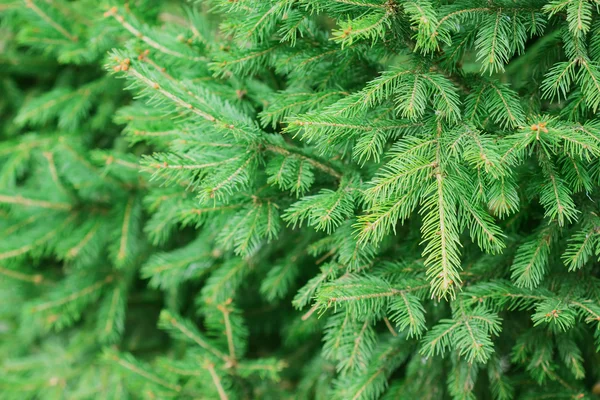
point(181, 103)
point(30, 4)
point(52, 165)
point(125, 227)
point(113, 12)
point(390, 327)
point(113, 160)
point(269, 147)
point(245, 117)
point(440, 230)
point(460, 12)
point(37, 242)
point(27, 202)
point(65, 144)
point(390, 293)
point(354, 354)
point(154, 270)
point(594, 315)
point(166, 165)
point(217, 382)
point(286, 152)
point(310, 312)
point(130, 366)
point(270, 113)
point(360, 4)
point(35, 278)
point(108, 327)
point(511, 116)
point(21, 224)
point(531, 259)
point(190, 334)
point(228, 332)
point(73, 296)
point(218, 288)
point(74, 251)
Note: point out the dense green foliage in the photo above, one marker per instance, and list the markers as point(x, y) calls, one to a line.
point(307, 199)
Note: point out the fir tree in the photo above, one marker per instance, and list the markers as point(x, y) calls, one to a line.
point(341, 199)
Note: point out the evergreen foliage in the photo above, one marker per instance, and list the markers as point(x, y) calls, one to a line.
point(271, 199)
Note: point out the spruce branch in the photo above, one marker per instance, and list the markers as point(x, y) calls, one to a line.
point(581, 246)
point(532, 257)
point(38, 241)
point(86, 291)
point(217, 382)
point(36, 279)
point(28, 202)
point(114, 12)
point(436, 164)
point(185, 330)
point(75, 250)
point(59, 28)
point(228, 329)
point(127, 362)
point(440, 231)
